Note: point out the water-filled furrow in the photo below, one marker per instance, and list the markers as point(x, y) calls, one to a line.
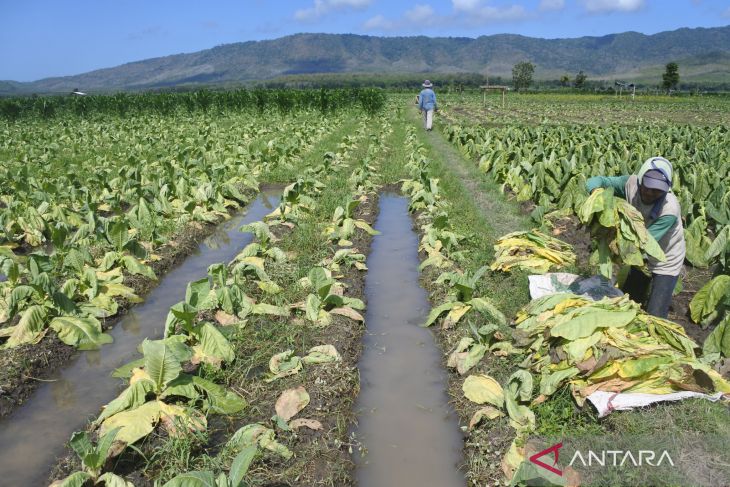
point(408, 432)
point(34, 434)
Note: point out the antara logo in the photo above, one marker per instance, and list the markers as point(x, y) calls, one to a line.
point(619, 458)
point(555, 449)
point(611, 458)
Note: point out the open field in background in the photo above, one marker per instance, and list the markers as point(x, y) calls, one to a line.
point(585, 109)
point(97, 201)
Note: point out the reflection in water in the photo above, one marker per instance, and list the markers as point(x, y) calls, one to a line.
point(405, 423)
point(33, 436)
point(267, 202)
point(64, 395)
point(131, 324)
point(93, 358)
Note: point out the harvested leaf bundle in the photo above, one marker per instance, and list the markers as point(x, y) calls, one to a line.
point(619, 230)
point(608, 345)
point(533, 251)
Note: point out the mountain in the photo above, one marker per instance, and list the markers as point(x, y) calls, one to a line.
point(629, 55)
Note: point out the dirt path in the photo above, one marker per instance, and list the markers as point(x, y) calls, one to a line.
point(503, 215)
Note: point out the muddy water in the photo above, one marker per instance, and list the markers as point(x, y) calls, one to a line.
point(405, 424)
point(33, 436)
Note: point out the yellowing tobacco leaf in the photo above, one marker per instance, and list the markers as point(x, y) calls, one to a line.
point(483, 389)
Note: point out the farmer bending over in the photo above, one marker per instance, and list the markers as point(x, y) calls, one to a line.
point(650, 193)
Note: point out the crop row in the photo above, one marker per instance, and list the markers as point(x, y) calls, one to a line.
point(162, 389)
point(369, 100)
point(72, 230)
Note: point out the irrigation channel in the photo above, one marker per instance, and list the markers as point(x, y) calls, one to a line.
point(34, 434)
point(409, 434)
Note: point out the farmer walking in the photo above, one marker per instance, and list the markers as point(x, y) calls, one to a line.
point(650, 192)
point(427, 104)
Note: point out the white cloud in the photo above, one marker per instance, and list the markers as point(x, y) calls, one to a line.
point(465, 5)
point(475, 12)
point(323, 7)
point(551, 5)
point(378, 22)
point(422, 14)
point(465, 13)
point(607, 6)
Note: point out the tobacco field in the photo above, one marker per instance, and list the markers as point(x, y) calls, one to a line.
point(252, 376)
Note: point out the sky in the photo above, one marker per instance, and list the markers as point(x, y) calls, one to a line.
point(45, 38)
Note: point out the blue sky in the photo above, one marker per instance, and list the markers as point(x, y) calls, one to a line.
point(42, 38)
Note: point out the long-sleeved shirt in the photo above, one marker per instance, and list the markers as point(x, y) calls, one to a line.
point(665, 225)
point(427, 99)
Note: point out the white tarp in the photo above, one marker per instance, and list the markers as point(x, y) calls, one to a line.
point(606, 402)
point(594, 287)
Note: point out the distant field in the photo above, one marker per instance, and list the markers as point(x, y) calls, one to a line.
point(533, 109)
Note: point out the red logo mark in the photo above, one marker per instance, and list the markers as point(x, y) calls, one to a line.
point(553, 449)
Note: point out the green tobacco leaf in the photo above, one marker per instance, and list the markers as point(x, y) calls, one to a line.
point(134, 266)
point(198, 295)
point(240, 465)
point(697, 242)
point(486, 306)
point(221, 399)
point(707, 299)
point(720, 244)
point(125, 371)
point(81, 444)
point(214, 344)
point(160, 363)
point(83, 333)
point(118, 234)
point(193, 479)
point(438, 310)
point(312, 307)
point(252, 434)
point(76, 479)
point(587, 323)
point(520, 385)
point(719, 340)
point(103, 447)
point(180, 313)
point(552, 381)
point(132, 397)
point(182, 386)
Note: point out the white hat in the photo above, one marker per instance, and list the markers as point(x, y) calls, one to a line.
point(427, 84)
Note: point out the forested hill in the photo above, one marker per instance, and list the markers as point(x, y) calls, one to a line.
point(703, 54)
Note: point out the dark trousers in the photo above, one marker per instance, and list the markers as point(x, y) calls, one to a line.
point(653, 293)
